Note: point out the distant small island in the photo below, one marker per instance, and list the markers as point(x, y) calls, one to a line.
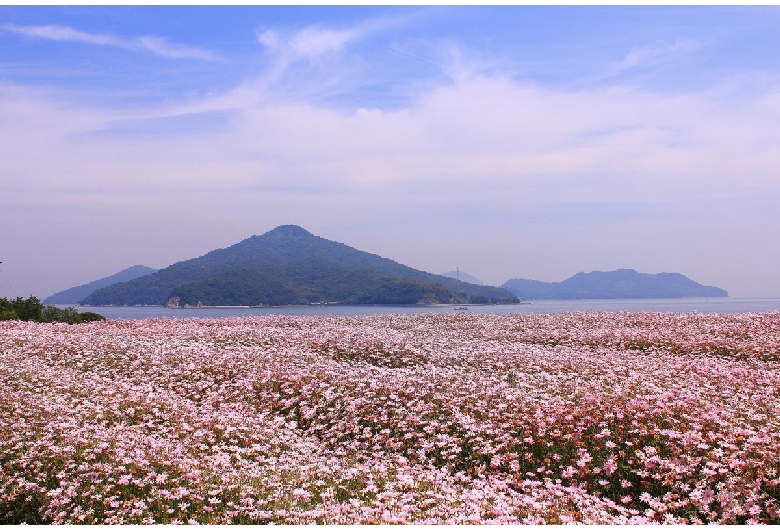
point(618, 284)
point(74, 295)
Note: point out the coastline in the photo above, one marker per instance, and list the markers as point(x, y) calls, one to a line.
point(685, 305)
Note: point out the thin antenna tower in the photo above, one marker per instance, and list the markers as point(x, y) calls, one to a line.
point(9, 281)
point(457, 272)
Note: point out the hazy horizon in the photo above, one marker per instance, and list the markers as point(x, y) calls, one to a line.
point(511, 142)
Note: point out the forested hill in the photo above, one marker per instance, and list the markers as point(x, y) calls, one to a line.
point(288, 266)
point(76, 294)
point(622, 283)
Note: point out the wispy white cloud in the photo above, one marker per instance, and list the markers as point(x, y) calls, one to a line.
point(313, 62)
point(156, 45)
point(310, 42)
point(658, 52)
point(161, 46)
point(315, 41)
point(64, 33)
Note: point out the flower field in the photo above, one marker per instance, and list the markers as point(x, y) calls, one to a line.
point(591, 417)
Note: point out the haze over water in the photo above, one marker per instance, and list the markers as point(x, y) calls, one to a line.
point(685, 305)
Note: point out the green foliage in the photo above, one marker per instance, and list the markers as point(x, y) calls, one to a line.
point(32, 309)
point(8, 314)
point(91, 316)
point(244, 286)
point(404, 291)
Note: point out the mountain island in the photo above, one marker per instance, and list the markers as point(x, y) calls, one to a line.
point(621, 283)
point(74, 295)
point(290, 266)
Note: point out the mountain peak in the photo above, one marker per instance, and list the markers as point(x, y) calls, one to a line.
point(289, 265)
point(288, 231)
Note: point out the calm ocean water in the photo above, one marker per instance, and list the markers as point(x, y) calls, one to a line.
point(677, 305)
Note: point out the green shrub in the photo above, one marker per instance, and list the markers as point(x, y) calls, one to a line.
point(8, 314)
point(90, 316)
point(32, 309)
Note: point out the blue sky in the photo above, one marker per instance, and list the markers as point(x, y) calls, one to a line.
point(530, 142)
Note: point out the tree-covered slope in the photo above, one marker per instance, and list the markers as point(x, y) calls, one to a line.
point(288, 265)
point(622, 283)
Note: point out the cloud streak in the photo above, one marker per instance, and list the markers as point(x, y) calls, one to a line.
point(315, 41)
point(658, 52)
point(319, 61)
point(308, 43)
point(150, 44)
point(606, 144)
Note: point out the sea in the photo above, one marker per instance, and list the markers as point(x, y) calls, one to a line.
point(674, 305)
